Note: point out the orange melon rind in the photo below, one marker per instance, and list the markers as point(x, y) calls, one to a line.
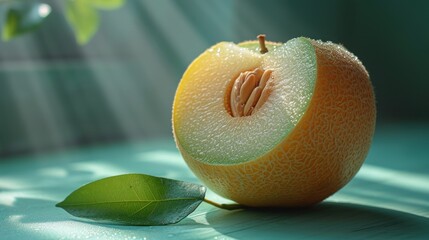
point(322, 152)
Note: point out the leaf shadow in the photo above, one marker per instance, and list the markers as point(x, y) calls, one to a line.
point(186, 222)
point(48, 213)
point(326, 221)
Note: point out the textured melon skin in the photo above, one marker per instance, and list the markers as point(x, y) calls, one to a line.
point(323, 152)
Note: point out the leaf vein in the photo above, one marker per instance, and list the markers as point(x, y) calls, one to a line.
point(156, 206)
point(141, 209)
point(136, 193)
point(150, 190)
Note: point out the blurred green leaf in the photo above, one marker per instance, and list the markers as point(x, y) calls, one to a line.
point(83, 18)
point(107, 4)
point(24, 18)
point(135, 199)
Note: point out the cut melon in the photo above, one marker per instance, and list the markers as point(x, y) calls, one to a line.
point(306, 141)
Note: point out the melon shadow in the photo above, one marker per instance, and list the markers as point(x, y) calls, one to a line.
point(324, 221)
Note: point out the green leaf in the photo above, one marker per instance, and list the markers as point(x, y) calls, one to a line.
point(107, 4)
point(135, 199)
point(83, 18)
point(24, 18)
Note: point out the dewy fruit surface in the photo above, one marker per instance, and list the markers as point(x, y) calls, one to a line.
point(305, 142)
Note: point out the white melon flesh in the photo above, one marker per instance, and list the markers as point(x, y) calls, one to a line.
point(202, 124)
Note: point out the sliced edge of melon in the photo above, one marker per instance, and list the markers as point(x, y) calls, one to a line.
point(205, 129)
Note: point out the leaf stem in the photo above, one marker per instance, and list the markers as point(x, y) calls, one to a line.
point(233, 206)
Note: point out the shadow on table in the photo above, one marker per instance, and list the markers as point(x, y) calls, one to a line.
point(327, 220)
point(54, 214)
point(54, 223)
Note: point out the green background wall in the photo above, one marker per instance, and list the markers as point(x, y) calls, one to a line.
point(55, 93)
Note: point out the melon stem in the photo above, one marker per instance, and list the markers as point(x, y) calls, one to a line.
point(233, 206)
point(261, 38)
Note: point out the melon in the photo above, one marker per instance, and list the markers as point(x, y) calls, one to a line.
point(275, 124)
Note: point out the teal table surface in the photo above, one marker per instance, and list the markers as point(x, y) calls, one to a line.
point(388, 198)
